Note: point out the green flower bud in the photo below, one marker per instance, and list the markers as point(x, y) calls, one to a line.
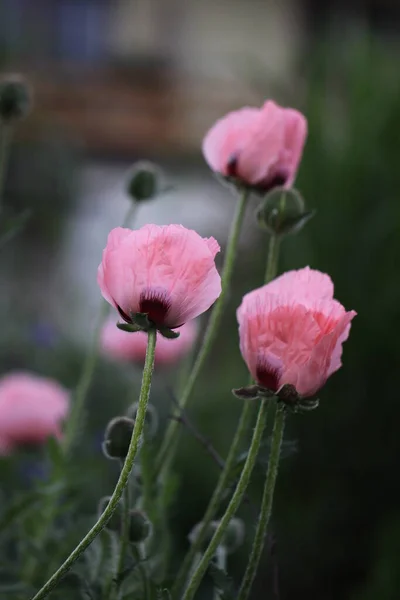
point(232, 539)
point(15, 98)
point(282, 212)
point(114, 523)
point(117, 437)
point(234, 535)
point(143, 181)
point(140, 528)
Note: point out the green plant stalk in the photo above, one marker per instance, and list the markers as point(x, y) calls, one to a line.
point(123, 478)
point(233, 504)
point(5, 143)
point(74, 422)
point(220, 561)
point(137, 554)
point(124, 543)
point(266, 505)
point(170, 442)
point(242, 428)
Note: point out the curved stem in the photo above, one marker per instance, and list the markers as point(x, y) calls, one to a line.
point(216, 498)
point(272, 260)
point(220, 561)
point(137, 554)
point(167, 450)
point(124, 540)
point(233, 504)
point(242, 428)
point(5, 142)
point(124, 475)
point(266, 505)
point(75, 420)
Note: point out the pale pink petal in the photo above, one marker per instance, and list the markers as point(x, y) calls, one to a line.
point(167, 272)
point(31, 408)
point(295, 137)
point(304, 282)
point(294, 334)
point(316, 372)
point(221, 142)
point(336, 362)
point(213, 246)
point(261, 147)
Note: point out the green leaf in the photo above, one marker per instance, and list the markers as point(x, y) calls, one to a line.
point(21, 506)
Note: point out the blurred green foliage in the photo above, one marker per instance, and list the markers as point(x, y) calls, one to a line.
point(337, 510)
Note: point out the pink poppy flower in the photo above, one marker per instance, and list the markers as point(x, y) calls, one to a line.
point(166, 272)
point(261, 147)
point(131, 347)
point(292, 330)
point(31, 409)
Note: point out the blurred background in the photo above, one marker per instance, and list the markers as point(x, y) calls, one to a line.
point(119, 80)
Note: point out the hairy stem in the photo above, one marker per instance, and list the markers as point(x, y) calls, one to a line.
point(266, 505)
point(123, 478)
point(232, 506)
point(168, 447)
point(225, 477)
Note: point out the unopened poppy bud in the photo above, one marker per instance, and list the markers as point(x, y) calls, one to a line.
point(232, 539)
point(282, 212)
point(140, 527)
point(194, 533)
point(115, 522)
point(234, 535)
point(15, 98)
point(151, 419)
point(143, 181)
point(117, 437)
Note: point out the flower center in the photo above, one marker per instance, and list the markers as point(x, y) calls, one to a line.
point(268, 376)
point(156, 304)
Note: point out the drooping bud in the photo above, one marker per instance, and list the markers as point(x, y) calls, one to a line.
point(151, 419)
point(282, 212)
point(117, 437)
point(140, 528)
point(115, 522)
point(232, 539)
point(234, 535)
point(143, 181)
point(15, 98)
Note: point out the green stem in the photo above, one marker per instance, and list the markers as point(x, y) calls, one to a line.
point(273, 257)
point(233, 504)
point(75, 420)
point(124, 541)
point(168, 447)
point(145, 583)
point(5, 143)
point(220, 561)
point(266, 505)
point(216, 498)
point(124, 475)
point(242, 428)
